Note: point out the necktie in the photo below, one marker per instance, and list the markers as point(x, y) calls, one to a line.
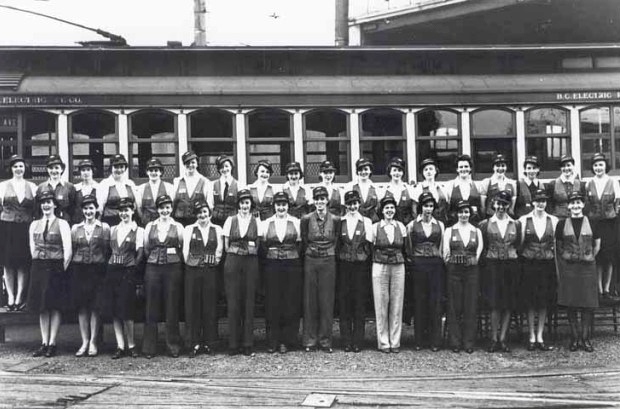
point(47, 225)
point(225, 191)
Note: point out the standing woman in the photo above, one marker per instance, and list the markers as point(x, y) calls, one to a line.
point(424, 237)
point(222, 195)
point(462, 246)
point(388, 275)
point(283, 276)
point(463, 188)
point(262, 190)
point(86, 187)
point(430, 170)
point(91, 247)
point(202, 251)
point(17, 207)
point(298, 194)
point(578, 243)
point(560, 188)
point(538, 281)
point(602, 202)
point(112, 189)
point(147, 192)
point(498, 182)
point(241, 233)
point(163, 278)
point(500, 274)
point(527, 186)
point(189, 188)
point(400, 191)
point(118, 298)
point(366, 190)
point(50, 248)
point(64, 192)
point(327, 174)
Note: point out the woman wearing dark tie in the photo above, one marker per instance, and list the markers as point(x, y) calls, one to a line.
point(222, 194)
point(86, 187)
point(527, 186)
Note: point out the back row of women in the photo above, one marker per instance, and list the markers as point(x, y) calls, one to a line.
point(295, 242)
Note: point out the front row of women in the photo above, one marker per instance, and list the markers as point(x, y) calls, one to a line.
point(518, 264)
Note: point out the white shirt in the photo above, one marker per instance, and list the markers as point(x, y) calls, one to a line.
point(540, 223)
point(86, 189)
point(502, 224)
point(123, 229)
point(352, 219)
point(389, 229)
point(19, 187)
point(244, 224)
point(599, 185)
point(464, 186)
point(280, 224)
point(261, 188)
point(140, 191)
point(104, 189)
point(434, 188)
point(188, 233)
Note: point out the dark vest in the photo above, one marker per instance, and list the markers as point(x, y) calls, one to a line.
point(334, 205)
point(368, 207)
point(385, 252)
point(264, 209)
point(298, 205)
point(50, 247)
point(227, 207)
point(199, 250)
point(535, 248)
point(114, 199)
point(65, 197)
point(78, 215)
point(125, 254)
point(404, 208)
point(93, 251)
point(574, 249)
point(166, 252)
point(13, 210)
point(474, 200)
point(148, 210)
point(605, 207)
point(356, 249)
point(458, 248)
point(524, 204)
point(501, 248)
point(281, 250)
point(182, 204)
point(560, 196)
point(246, 245)
point(321, 236)
point(441, 209)
point(492, 190)
point(423, 246)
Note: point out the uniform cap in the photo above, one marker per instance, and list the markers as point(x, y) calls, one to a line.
point(90, 199)
point(503, 196)
point(540, 195)
point(566, 158)
point(327, 166)
point(154, 163)
point(281, 197)
point(499, 158)
point(294, 167)
point(531, 159)
point(361, 162)
point(244, 194)
point(575, 195)
point(162, 200)
point(264, 163)
point(46, 194)
point(188, 156)
point(319, 191)
point(219, 162)
point(351, 196)
point(396, 163)
point(428, 161)
point(15, 159)
point(118, 160)
point(53, 160)
point(126, 202)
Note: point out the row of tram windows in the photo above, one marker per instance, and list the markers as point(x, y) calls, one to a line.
point(326, 136)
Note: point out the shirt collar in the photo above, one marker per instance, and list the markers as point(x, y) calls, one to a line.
point(97, 223)
point(383, 223)
point(60, 182)
point(529, 182)
point(354, 216)
point(564, 179)
point(419, 219)
point(224, 179)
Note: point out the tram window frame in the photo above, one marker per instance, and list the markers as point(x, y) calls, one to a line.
point(276, 177)
point(512, 171)
point(548, 167)
point(613, 135)
point(192, 143)
point(27, 143)
point(384, 177)
point(340, 177)
point(134, 139)
point(104, 172)
point(10, 126)
point(445, 174)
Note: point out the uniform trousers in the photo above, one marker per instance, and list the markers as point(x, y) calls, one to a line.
point(283, 279)
point(162, 284)
point(200, 305)
point(428, 283)
point(388, 285)
point(352, 285)
point(240, 276)
point(319, 293)
point(463, 288)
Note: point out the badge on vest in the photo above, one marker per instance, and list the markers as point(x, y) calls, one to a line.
point(182, 190)
point(171, 250)
point(357, 232)
point(59, 197)
point(251, 243)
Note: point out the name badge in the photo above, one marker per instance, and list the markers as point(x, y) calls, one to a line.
point(344, 233)
point(59, 197)
point(182, 190)
point(357, 232)
point(251, 243)
point(455, 239)
point(194, 236)
point(127, 239)
point(171, 250)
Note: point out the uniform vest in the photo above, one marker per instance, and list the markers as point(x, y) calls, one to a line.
point(114, 199)
point(199, 250)
point(404, 207)
point(264, 209)
point(356, 249)
point(65, 197)
point(227, 207)
point(425, 246)
point(441, 208)
point(603, 208)
point(385, 252)
point(49, 247)
point(535, 248)
point(458, 248)
point(473, 199)
point(492, 190)
point(524, 204)
point(281, 250)
point(334, 205)
point(13, 210)
point(148, 210)
point(368, 207)
point(125, 254)
point(298, 205)
point(182, 204)
point(78, 215)
point(560, 197)
point(166, 252)
point(246, 245)
point(93, 251)
point(501, 248)
point(321, 236)
point(577, 249)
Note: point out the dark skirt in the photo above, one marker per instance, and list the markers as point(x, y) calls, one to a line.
point(117, 298)
point(14, 247)
point(608, 232)
point(538, 284)
point(578, 284)
point(86, 283)
point(49, 286)
point(499, 284)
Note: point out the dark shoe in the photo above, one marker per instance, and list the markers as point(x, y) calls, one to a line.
point(11, 307)
point(132, 352)
point(347, 348)
point(20, 306)
point(328, 350)
point(395, 350)
point(247, 351)
point(271, 350)
point(574, 345)
point(310, 349)
point(148, 356)
point(544, 347)
point(356, 349)
point(51, 351)
point(385, 351)
point(532, 346)
point(40, 351)
point(173, 354)
point(587, 346)
point(503, 347)
point(193, 353)
point(417, 348)
point(233, 351)
point(119, 353)
point(494, 346)
point(282, 349)
point(469, 350)
point(456, 350)
point(435, 348)
point(207, 350)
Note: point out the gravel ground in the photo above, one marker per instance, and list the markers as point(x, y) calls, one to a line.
point(297, 363)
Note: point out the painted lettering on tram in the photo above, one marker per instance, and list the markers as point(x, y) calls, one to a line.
point(586, 96)
point(41, 100)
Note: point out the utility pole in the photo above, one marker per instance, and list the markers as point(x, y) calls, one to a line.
point(200, 35)
point(342, 23)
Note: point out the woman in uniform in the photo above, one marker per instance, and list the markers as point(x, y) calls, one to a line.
point(163, 278)
point(527, 186)
point(64, 192)
point(463, 188)
point(500, 274)
point(222, 195)
point(262, 190)
point(147, 192)
point(388, 275)
point(538, 281)
point(241, 233)
point(86, 187)
point(462, 247)
point(283, 276)
point(578, 243)
point(602, 201)
point(202, 252)
point(17, 207)
point(497, 182)
point(112, 189)
point(91, 246)
point(327, 175)
point(48, 293)
point(430, 170)
point(299, 195)
point(400, 191)
point(424, 237)
point(189, 188)
point(559, 189)
point(367, 191)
